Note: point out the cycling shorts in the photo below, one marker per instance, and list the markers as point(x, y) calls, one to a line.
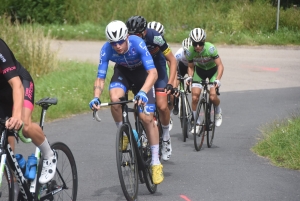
point(201, 74)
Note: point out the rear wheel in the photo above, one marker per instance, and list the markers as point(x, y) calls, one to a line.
point(127, 164)
point(65, 176)
point(211, 123)
point(200, 128)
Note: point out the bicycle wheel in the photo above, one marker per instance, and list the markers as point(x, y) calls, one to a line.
point(127, 165)
point(183, 117)
point(65, 175)
point(199, 133)
point(211, 122)
point(145, 151)
point(7, 185)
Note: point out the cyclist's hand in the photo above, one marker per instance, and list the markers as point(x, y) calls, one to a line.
point(13, 123)
point(189, 80)
point(142, 96)
point(95, 104)
point(217, 83)
point(175, 91)
point(168, 88)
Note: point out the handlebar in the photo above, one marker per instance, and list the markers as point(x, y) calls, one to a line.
point(17, 133)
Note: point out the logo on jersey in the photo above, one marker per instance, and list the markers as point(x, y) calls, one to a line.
point(144, 47)
point(188, 53)
point(120, 78)
point(149, 62)
point(158, 40)
point(2, 58)
point(212, 49)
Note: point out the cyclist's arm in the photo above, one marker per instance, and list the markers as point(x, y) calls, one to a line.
point(102, 70)
point(15, 121)
point(191, 68)
point(172, 65)
point(150, 80)
point(220, 68)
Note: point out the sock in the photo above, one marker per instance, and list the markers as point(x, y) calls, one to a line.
point(46, 149)
point(171, 112)
point(218, 109)
point(198, 120)
point(166, 134)
point(154, 152)
point(119, 124)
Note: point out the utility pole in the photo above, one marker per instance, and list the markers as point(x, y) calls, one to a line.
point(278, 9)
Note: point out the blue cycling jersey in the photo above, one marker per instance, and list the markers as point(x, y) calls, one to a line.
point(137, 55)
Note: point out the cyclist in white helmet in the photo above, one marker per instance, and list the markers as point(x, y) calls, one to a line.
point(133, 66)
point(182, 65)
point(204, 62)
point(156, 26)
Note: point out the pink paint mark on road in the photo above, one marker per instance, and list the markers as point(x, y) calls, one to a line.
point(263, 68)
point(185, 198)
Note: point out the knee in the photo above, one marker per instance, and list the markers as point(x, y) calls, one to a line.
point(195, 98)
point(162, 106)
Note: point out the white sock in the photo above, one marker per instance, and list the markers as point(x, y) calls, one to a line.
point(154, 152)
point(166, 134)
point(46, 149)
point(119, 124)
point(218, 109)
point(198, 120)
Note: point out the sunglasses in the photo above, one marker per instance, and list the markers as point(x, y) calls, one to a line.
point(118, 42)
point(198, 43)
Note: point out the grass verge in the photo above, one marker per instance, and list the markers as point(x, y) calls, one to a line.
point(280, 142)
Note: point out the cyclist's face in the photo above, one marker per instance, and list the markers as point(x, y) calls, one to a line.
point(121, 46)
point(198, 46)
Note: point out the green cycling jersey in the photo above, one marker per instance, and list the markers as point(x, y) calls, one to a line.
point(204, 59)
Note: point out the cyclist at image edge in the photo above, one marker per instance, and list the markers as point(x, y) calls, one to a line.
point(182, 65)
point(204, 62)
point(160, 51)
point(17, 102)
point(161, 29)
point(133, 65)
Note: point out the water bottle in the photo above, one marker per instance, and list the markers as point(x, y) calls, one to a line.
point(136, 136)
point(21, 161)
point(31, 167)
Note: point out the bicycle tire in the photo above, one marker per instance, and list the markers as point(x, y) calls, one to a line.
point(199, 136)
point(66, 172)
point(211, 126)
point(7, 186)
point(147, 171)
point(183, 118)
point(127, 165)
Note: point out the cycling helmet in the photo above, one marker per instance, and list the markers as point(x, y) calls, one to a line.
point(198, 35)
point(186, 43)
point(136, 24)
point(116, 31)
point(157, 26)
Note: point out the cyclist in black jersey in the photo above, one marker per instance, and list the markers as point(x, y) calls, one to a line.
point(17, 102)
point(160, 52)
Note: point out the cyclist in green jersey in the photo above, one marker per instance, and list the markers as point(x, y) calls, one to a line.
point(204, 62)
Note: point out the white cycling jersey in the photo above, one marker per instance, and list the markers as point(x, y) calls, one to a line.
point(179, 55)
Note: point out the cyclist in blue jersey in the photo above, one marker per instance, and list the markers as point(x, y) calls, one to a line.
point(133, 66)
point(160, 51)
point(17, 103)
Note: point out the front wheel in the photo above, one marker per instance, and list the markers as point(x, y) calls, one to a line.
point(211, 125)
point(7, 185)
point(127, 164)
point(183, 117)
point(65, 176)
point(200, 128)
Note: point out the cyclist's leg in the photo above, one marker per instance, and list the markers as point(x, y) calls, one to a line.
point(213, 97)
point(35, 132)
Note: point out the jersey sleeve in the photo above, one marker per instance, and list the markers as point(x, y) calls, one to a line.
point(160, 41)
point(213, 51)
point(145, 55)
point(189, 54)
point(104, 60)
point(7, 65)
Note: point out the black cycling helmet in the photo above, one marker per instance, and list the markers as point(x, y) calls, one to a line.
point(136, 24)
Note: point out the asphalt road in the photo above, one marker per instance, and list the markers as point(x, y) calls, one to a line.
point(259, 85)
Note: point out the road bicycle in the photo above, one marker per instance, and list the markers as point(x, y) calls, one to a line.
point(185, 111)
point(64, 184)
point(206, 112)
point(134, 162)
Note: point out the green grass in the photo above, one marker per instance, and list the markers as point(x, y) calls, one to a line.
point(280, 142)
point(73, 85)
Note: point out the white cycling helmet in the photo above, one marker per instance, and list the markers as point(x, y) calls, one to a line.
point(116, 31)
point(186, 43)
point(157, 26)
point(198, 35)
